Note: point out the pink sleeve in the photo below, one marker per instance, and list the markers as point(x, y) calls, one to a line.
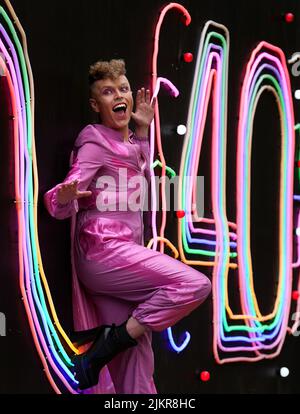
point(85, 164)
point(144, 144)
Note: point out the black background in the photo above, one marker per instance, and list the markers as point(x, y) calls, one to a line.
point(64, 38)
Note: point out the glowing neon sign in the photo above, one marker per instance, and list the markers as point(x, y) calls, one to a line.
point(221, 244)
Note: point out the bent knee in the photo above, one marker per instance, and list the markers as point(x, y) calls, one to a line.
point(202, 288)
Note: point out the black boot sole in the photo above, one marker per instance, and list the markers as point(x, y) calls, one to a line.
point(110, 341)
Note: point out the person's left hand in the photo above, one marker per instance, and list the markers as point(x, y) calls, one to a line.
point(144, 109)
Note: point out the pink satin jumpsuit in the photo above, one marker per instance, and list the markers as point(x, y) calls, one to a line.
point(121, 276)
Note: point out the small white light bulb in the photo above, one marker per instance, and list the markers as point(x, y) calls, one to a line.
point(284, 372)
point(181, 130)
point(297, 94)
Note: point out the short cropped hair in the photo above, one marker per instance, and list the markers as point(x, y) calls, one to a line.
point(106, 70)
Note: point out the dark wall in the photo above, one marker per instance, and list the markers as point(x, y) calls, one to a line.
point(64, 38)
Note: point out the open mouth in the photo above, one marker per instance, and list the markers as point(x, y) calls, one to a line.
point(121, 107)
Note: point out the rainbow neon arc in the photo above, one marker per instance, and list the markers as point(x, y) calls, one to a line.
point(49, 338)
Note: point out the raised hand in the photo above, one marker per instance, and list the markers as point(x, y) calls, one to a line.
point(68, 192)
point(144, 110)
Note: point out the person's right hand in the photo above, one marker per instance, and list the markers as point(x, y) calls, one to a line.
point(69, 192)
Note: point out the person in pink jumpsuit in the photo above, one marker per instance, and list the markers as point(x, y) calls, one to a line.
point(129, 285)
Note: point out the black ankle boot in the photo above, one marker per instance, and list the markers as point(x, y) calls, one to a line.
point(79, 338)
point(110, 341)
